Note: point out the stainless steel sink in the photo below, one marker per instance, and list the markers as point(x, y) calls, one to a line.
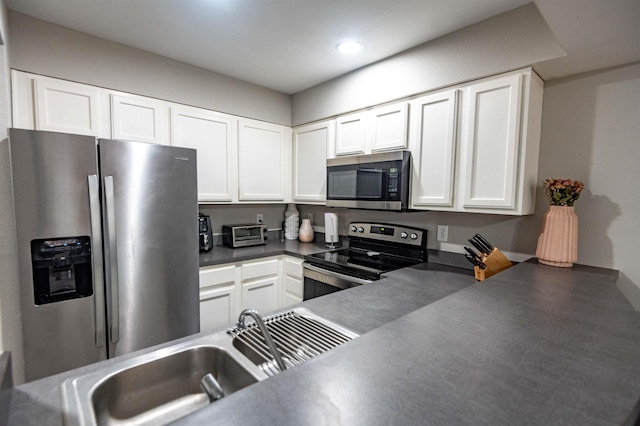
point(167, 388)
point(161, 386)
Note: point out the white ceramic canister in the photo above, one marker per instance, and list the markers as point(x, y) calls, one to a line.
point(291, 222)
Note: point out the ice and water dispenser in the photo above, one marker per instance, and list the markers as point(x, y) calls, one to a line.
point(61, 269)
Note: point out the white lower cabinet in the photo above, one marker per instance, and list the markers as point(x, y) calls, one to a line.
point(264, 284)
point(293, 281)
point(260, 285)
point(219, 298)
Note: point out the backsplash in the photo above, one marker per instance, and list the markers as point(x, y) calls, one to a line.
point(509, 233)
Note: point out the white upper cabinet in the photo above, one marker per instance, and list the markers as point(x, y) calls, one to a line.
point(137, 118)
point(350, 134)
point(58, 106)
point(490, 162)
point(310, 150)
point(387, 127)
point(264, 161)
point(475, 148)
point(66, 107)
point(433, 147)
point(213, 136)
point(500, 143)
point(379, 129)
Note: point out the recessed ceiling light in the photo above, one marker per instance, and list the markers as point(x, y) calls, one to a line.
point(349, 47)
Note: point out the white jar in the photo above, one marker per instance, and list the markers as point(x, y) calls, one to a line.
point(291, 222)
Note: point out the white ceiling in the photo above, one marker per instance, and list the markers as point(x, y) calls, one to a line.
point(289, 45)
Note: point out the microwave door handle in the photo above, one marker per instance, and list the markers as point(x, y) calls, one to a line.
point(96, 260)
point(111, 260)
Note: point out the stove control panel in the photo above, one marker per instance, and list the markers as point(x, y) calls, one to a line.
point(388, 232)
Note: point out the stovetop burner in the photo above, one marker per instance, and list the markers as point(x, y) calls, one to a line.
point(375, 249)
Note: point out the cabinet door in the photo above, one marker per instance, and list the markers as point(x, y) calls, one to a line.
point(491, 144)
point(292, 285)
point(212, 135)
point(66, 107)
point(218, 297)
point(388, 127)
point(432, 143)
point(260, 285)
point(135, 118)
point(263, 161)
point(310, 145)
point(261, 294)
point(351, 134)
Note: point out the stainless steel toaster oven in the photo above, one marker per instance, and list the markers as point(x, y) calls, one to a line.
point(244, 235)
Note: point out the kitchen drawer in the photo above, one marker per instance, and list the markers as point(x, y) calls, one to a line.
point(217, 276)
point(259, 269)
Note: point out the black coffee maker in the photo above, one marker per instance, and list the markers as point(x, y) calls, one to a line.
point(206, 235)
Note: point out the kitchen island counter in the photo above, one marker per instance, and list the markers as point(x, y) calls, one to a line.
point(532, 345)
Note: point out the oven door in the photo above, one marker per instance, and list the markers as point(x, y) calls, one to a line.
point(319, 281)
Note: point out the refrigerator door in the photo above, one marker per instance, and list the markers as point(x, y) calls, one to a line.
point(62, 314)
point(150, 213)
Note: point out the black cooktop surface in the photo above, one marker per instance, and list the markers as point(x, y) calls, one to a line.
point(360, 263)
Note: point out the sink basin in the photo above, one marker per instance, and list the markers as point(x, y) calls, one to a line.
point(166, 389)
point(153, 389)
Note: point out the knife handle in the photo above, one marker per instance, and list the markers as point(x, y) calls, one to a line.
point(484, 241)
point(476, 245)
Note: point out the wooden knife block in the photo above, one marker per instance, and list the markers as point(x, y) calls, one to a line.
point(495, 261)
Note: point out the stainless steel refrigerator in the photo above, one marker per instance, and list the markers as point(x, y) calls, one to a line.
point(107, 246)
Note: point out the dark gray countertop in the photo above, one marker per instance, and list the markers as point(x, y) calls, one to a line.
point(532, 345)
point(221, 254)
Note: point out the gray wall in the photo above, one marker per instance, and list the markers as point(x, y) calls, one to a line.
point(10, 326)
point(44, 48)
point(512, 40)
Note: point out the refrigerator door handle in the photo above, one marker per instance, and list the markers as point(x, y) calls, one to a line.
point(96, 260)
point(111, 260)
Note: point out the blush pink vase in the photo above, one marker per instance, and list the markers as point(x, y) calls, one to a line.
point(306, 231)
point(558, 240)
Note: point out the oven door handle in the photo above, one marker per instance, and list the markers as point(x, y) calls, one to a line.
point(334, 274)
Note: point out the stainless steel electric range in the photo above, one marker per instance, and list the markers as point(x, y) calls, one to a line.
point(374, 248)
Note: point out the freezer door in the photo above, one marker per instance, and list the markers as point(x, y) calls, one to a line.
point(150, 215)
point(61, 323)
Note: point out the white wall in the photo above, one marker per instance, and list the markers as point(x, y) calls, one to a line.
point(44, 48)
point(591, 132)
point(509, 41)
point(10, 323)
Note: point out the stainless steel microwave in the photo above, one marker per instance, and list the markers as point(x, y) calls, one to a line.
point(373, 181)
